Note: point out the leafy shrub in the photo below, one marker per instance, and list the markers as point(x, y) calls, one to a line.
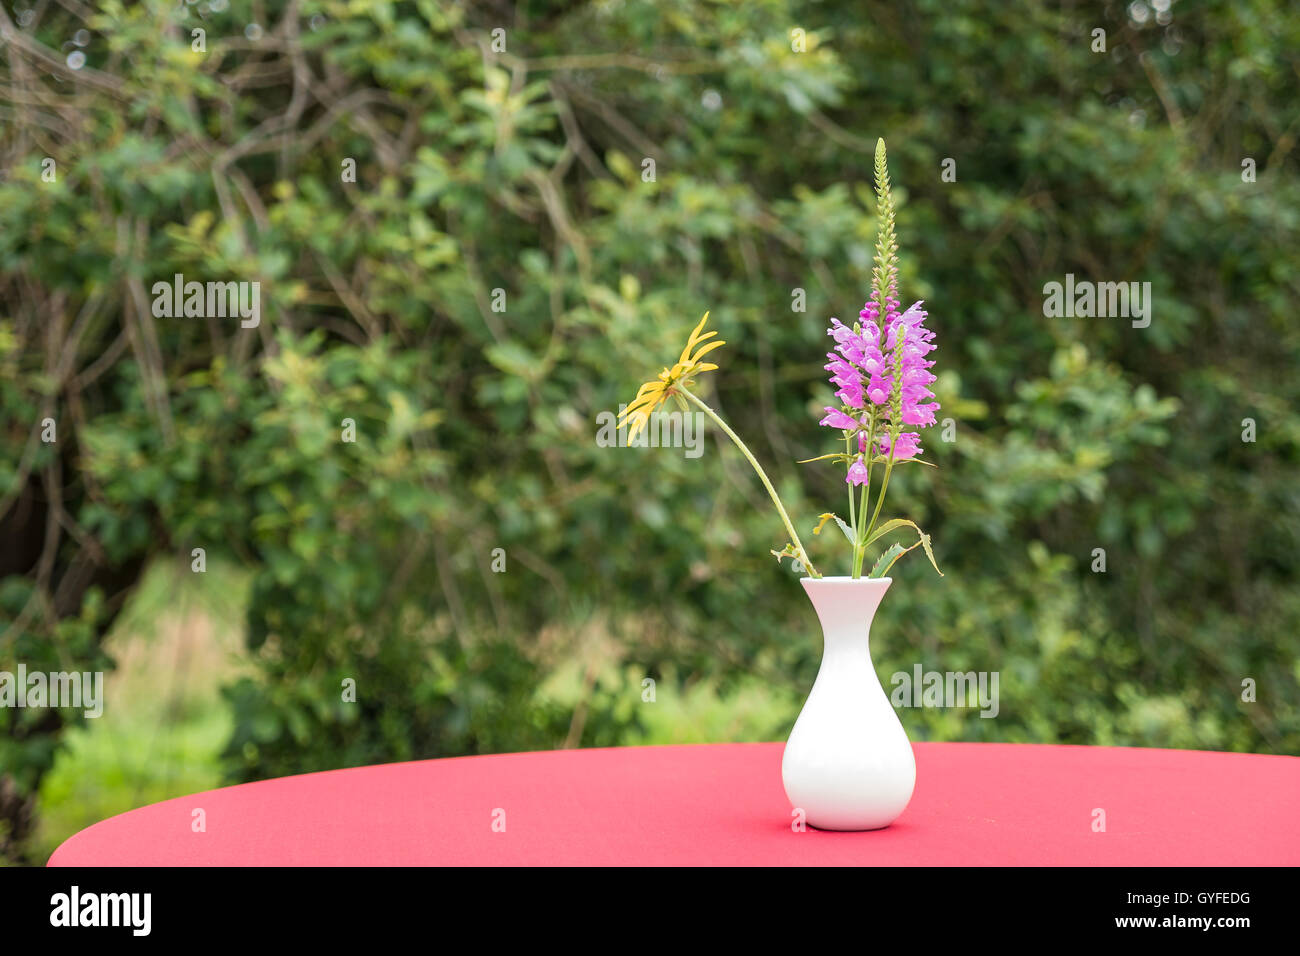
point(525, 171)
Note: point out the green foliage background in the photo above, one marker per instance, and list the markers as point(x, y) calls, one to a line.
point(522, 170)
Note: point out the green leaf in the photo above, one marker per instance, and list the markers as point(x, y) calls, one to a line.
point(890, 525)
point(787, 552)
point(884, 459)
point(894, 524)
point(925, 543)
point(797, 564)
point(513, 358)
point(848, 532)
point(886, 560)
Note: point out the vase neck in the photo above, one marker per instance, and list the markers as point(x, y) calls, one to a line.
point(846, 607)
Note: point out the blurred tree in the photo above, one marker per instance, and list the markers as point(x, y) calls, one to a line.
point(476, 226)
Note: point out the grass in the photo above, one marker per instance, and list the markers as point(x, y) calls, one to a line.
point(164, 722)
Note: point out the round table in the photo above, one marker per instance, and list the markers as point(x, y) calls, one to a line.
point(975, 804)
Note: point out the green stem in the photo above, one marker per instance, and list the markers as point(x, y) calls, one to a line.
point(771, 492)
point(884, 486)
point(853, 517)
point(859, 549)
point(860, 546)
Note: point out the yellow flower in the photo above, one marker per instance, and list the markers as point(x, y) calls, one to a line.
point(654, 393)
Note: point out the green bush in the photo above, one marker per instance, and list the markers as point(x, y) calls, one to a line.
point(525, 170)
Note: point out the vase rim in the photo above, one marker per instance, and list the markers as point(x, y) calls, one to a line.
point(843, 579)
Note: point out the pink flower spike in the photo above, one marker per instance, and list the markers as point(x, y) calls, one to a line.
point(837, 419)
point(907, 446)
point(914, 314)
point(851, 394)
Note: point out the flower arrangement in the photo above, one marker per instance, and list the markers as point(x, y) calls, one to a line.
point(882, 379)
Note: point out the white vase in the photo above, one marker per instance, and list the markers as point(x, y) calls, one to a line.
point(848, 763)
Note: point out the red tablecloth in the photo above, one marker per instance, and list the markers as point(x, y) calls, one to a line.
point(974, 804)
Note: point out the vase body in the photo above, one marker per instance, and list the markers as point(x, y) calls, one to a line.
point(848, 763)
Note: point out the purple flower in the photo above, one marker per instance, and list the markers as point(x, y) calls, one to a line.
point(880, 367)
point(908, 445)
point(879, 389)
point(848, 379)
point(851, 395)
point(837, 419)
point(909, 342)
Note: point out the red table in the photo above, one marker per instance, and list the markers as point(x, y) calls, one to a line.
point(975, 804)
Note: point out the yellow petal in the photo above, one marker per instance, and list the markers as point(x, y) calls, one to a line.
point(691, 342)
point(636, 408)
point(686, 352)
point(700, 326)
point(706, 350)
point(680, 369)
point(645, 391)
point(637, 424)
point(647, 399)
